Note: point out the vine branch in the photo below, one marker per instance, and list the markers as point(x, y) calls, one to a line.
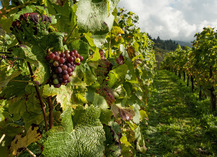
point(50, 112)
point(39, 97)
point(20, 6)
point(3, 6)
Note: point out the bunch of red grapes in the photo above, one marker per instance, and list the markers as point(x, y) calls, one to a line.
point(62, 66)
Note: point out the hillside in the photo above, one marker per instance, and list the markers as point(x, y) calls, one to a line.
point(183, 43)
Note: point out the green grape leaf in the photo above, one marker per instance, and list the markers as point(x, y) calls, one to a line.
point(96, 99)
point(89, 38)
point(113, 151)
point(79, 98)
point(52, 40)
point(89, 77)
point(100, 101)
point(64, 14)
point(137, 117)
point(36, 57)
point(115, 127)
point(30, 118)
point(15, 87)
point(63, 94)
point(84, 50)
point(66, 118)
point(96, 17)
point(4, 79)
point(140, 142)
point(17, 106)
point(99, 40)
point(117, 75)
point(106, 116)
point(85, 139)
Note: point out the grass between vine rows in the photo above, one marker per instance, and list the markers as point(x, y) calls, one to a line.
point(179, 123)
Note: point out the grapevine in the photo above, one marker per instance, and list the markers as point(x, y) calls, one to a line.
point(68, 77)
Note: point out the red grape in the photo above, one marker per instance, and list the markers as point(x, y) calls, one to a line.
point(69, 70)
point(59, 70)
point(62, 60)
point(62, 55)
point(65, 77)
point(64, 72)
point(75, 52)
point(57, 85)
point(52, 55)
point(71, 59)
point(56, 53)
point(56, 58)
point(64, 67)
point(81, 58)
point(72, 53)
point(70, 74)
point(67, 55)
point(78, 63)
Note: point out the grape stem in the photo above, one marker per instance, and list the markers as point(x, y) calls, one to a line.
point(70, 33)
point(50, 112)
point(39, 97)
point(109, 46)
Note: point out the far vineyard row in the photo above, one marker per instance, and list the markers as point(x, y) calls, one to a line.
point(198, 63)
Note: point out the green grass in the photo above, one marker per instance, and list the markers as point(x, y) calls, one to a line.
point(179, 124)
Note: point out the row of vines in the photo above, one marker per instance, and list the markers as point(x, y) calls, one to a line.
point(75, 79)
point(198, 63)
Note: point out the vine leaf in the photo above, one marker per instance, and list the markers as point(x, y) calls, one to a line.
point(140, 142)
point(96, 17)
point(117, 75)
point(37, 58)
point(20, 142)
point(85, 139)
point(125, 113)
point(63, 94)
point(4, 80)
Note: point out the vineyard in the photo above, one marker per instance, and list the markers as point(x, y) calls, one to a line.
point(79, 78)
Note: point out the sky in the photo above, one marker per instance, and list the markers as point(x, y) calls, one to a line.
point(173, 19)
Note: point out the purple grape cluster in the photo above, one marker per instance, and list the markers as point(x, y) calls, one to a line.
point(62, 66)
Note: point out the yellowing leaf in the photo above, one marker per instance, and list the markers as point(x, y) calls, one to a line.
point(117, 30)
point(143, 114)
point(124, 141)
point(20, 142)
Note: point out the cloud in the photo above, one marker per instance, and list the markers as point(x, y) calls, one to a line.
point(173, 19)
